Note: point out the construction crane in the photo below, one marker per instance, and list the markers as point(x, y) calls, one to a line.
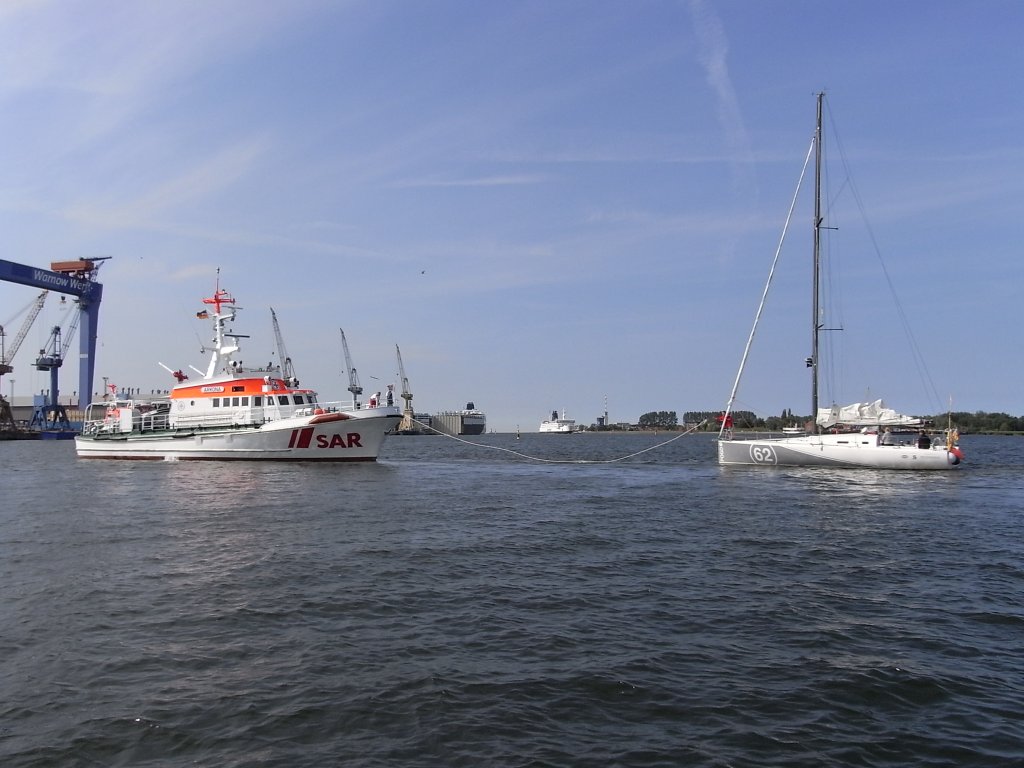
point(7, 423)
point(69, 334)
point(353, 376)
point(7, 356)
point(287, 370)
point(407, 413)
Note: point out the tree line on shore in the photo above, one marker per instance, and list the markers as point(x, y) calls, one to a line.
point(979, 421)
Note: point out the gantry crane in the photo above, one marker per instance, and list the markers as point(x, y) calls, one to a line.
point(406, 424)
point(75, 278)
point(353, 376)
point(287, 369)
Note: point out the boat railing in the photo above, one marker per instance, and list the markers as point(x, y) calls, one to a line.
point(157, 419)
point(310, 409)
point(228, 418)
point(242, 417)
point(92, 427)
point(347, 406)
point(151, 421)
point(145, 416)
point(318, 408)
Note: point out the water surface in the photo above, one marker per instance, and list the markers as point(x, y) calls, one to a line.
point(458, 605)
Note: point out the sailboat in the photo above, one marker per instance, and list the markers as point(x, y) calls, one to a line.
point(859, 435)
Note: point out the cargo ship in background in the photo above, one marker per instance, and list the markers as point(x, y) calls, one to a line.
point(469, 421)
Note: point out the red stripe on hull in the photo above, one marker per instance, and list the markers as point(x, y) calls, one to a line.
point(305, 437)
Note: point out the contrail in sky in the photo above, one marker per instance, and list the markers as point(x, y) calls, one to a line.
point(712, 52)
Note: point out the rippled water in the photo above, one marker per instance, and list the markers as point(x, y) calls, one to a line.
point(460, 606)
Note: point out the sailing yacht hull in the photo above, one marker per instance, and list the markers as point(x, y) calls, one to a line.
point(834, 450)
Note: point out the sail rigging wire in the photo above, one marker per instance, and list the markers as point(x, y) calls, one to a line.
point(767, 286)
point(915, 349)
point(521, 455)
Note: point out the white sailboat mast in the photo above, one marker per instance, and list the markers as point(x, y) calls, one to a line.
point(816, 299)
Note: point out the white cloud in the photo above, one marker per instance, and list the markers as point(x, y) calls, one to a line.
point(198, 183)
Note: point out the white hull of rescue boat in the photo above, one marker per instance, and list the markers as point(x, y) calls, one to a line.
point(835, 450)
point(326, 437)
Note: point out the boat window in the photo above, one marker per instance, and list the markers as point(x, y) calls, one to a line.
point(257, 401)
point(245, 401)
point(298, 400)
point(282, 399)
point(240, 388)
point(234, 402)
point(216, 402)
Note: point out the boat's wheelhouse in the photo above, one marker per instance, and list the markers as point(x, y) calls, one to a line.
point(233, 402)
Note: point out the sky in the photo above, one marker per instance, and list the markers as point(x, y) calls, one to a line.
point(546, 204)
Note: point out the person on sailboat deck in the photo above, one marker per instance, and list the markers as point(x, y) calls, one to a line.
point(886, 438)
point(923, 441)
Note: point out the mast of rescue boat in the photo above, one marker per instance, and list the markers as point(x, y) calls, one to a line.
point(220, 349)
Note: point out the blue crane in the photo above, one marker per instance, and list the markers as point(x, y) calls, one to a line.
point(51, 416)
point(74, 278)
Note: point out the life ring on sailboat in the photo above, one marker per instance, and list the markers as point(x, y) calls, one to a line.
point(957, 455)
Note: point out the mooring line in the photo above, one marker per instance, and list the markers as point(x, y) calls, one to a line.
point(691, 430)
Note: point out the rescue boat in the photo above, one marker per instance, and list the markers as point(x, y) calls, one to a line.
point(234, 412)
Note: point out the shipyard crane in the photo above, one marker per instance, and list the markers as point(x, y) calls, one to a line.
point(51, 415)
point(407, 413)
point(7, 356)
point(7, 423)
point(287, 369)
point(69, 334)
point(353, 376)
point(75, 278)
